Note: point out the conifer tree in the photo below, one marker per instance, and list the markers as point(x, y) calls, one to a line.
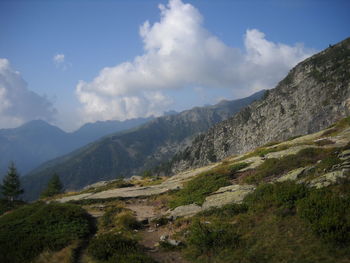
point(11, 186)
point(54, 187)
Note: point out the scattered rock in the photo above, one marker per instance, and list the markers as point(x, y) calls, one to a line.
point(345, 155)
point(164, 238)
point(326, 179)
point(292, 175)
point(95, 185)
point(135, 177)
point(186, 210)
point(226, 195)
point(174, 242)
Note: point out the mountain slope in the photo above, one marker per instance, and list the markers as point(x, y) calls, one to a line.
point(286, 202)
point(132, 151)
point(313, 95)
point(31, 144)
point(37, 141)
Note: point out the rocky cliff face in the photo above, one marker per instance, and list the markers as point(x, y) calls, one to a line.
point(313, 95)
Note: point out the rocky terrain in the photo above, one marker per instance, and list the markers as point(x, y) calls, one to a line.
point(311, 97)
point(235, 192)
point(316, 161)
point(132, 151)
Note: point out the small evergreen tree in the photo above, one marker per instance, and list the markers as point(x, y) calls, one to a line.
point(54, 187)
point(11, 186)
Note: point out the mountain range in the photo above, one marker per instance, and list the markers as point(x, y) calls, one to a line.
point(130, 152)
point(38, 141)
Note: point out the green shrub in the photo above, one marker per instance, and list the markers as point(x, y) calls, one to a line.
point(31, 229)
point(161, 221)
point(209, 239)
point(108, 218)
point(262, 151)
point(274, 167)
point(325, 165)
point(328, 214)
point(116, 248)
point(198, 188)
point(118, 183)
point(6, 205)
point(237, 166)
point(125, 220)
point(227, 211)
point(284, 195)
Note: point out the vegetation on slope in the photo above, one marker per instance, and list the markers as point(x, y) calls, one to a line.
point(29, 230)
point(283, 222)
point(195, 190)
point(110, 248)
point(274, 167)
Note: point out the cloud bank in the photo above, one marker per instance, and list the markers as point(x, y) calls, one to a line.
point(179, 53)
point(18, 104)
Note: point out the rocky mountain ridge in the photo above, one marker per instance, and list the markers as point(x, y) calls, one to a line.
point(132, 151)
point(314, 94)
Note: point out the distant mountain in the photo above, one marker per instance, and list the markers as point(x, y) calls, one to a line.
point(92, 131)
point(314, 94)
point(130, 152)
point(37, 141)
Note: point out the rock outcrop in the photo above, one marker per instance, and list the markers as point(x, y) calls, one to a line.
point(314, 94)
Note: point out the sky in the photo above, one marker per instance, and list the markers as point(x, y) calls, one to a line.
point(72, 61)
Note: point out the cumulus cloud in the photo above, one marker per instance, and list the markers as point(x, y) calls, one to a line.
point(179, 53)
point(17, 103)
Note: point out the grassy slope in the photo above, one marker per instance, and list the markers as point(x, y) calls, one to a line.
point(279, 222)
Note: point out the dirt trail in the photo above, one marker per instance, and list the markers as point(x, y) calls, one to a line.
point(143, 211)
point(150, 240)
point(150, 235)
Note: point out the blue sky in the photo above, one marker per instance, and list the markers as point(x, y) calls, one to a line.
point(248, 45)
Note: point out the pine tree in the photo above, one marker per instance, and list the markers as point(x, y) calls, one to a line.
point(11, 186)
point(54, 187)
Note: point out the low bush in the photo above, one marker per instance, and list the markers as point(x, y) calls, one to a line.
point(227, 211)
point(31, 229)
point(108, 218)
point(161, 221)
point(126, 221)
point(283, 195)
point(209, 239)
point(118, 183)
point(337, 127)
point(116, 248)
point(6, 205)
point(198, 188)
point(237, 166)
point(274, 167)
point(328, 214)
point(262, 151)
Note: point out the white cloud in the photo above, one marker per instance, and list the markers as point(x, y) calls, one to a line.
point(180, 53)
point(17, 103)
point(60, 61)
